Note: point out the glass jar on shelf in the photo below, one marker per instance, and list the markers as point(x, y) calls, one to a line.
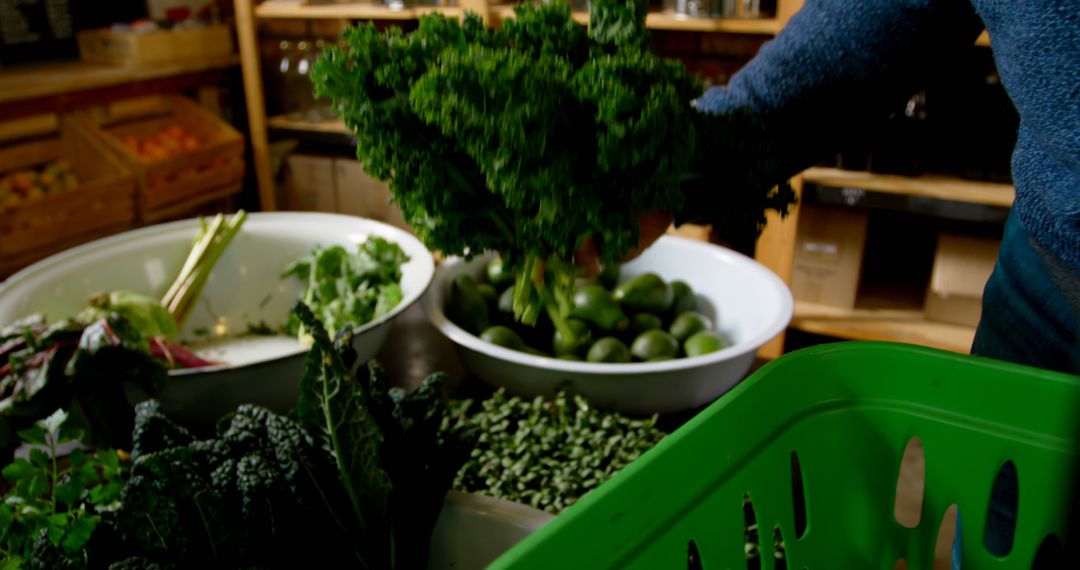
point(298, 84)
point(701, 8)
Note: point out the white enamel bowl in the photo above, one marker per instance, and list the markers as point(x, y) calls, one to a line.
point(472, 531)
point(747, 302)
point(245, 288)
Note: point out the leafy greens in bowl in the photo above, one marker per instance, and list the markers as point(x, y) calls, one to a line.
point(245, 292)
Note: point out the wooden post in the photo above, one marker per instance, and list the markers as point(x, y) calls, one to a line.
point(776, 250)
point(246, 35)
point(785, 9)
point(482, 8)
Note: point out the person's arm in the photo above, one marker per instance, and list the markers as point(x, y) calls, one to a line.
point(836, 68)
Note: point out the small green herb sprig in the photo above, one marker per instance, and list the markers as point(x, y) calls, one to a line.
point(547, 454)
point(54, 500)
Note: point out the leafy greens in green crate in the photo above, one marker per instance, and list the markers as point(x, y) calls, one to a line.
point(531, 138)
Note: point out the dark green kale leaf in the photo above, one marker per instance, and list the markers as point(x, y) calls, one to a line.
point(261, 493)
point(618, 24)
point(394, 462)
point(547, 33)
point(534, 137)
point(736, 214)
point(334, 407)
point(155, 432)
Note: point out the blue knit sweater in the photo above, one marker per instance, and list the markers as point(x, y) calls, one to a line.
point(840, 63)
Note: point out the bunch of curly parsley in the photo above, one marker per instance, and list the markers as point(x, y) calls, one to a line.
point(533, 137)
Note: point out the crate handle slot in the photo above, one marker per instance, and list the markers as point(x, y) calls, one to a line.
point(751, 534)
point(1001, 512)
point(798, 496)
point(779, 549)
point(693, 557)
point(949, 534)
point(910, 485)
point(1050, 554)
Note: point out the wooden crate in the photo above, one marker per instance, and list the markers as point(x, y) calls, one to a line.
point(177, 184)
point(103, 201)
point(163, 46)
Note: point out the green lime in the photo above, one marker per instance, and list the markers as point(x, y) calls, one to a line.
point(608, 349)
point(466, 306)
point(570, 357)
point(498, 274)
point(651, 344)
point(684, 298)
point(536, 351)
point(642, 322)
point(703, 342)
point(488, 292)
point(687, 323)
point(578, 345)
point(660, 358)
point(645, 293)
point(504, 337)
point(593, 303)
point(506, 300)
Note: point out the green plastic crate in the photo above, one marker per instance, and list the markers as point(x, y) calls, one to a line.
point(847, 411)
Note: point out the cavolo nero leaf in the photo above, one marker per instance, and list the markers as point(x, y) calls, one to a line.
point(393, 460)
point(334, 407)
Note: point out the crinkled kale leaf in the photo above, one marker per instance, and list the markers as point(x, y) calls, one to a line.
point(533, 137)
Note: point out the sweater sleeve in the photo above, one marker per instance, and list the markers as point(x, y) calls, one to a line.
point(836, 67)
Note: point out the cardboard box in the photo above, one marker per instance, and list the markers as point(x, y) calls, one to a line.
point(360, 194)
point(309, 184)
point(828, 255)
point(962, 265)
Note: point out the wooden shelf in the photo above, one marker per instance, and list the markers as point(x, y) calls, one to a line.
point(929, 186)
point(506, 12)
point(296, 10)
point(895, 325)
point(330, 126)
point(664, 21)
point(37, 81)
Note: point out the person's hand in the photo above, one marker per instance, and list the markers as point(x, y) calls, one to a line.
point(651, 226)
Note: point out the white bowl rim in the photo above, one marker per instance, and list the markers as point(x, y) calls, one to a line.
point(59, 258)
point(612, 370)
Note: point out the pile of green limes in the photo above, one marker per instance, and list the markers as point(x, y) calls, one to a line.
point(644, 319)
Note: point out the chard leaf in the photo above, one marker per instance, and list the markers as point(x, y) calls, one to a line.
point(146, 314)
